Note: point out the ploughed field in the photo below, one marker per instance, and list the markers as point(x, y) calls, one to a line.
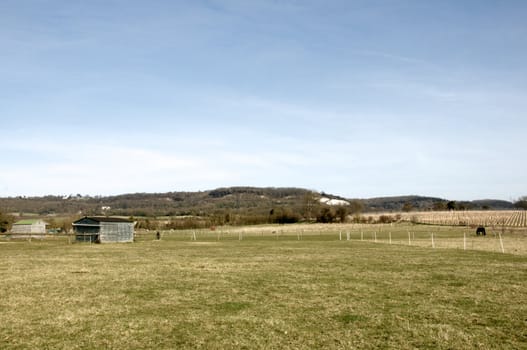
point(502, 218)
point(287, 287)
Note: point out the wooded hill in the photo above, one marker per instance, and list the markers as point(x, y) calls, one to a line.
point(250, 201)
point(221, 200)
point(421, 203)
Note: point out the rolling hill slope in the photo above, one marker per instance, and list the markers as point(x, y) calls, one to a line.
point(249, 200)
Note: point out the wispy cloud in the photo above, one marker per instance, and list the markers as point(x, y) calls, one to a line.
point(398, 58)
point(104, 167)
point(356, 98)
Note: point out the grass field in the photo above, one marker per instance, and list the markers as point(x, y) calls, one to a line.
point(498, 239)
point(296, 289)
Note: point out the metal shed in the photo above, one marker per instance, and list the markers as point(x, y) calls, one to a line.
point(103, 229)
point(29, 226)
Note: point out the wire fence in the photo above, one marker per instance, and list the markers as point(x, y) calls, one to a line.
point(497, 239)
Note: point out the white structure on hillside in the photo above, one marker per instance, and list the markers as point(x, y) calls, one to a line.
point(325, 200)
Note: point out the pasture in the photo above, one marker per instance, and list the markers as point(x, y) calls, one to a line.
point(287, 287)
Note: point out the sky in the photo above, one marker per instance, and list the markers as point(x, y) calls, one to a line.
point(355, 98)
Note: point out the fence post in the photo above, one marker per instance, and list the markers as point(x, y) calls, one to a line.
point(501, 243)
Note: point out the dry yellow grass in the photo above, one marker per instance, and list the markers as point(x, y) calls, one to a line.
point(259, 293)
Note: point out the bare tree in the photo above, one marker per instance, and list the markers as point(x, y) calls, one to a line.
point(521, 203)
point(5, 222)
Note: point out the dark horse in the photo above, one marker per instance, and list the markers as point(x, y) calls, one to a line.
point(481, 230)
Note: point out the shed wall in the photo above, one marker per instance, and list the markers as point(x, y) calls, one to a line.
point(116, 232)
point(86, 233)
point(33, 228)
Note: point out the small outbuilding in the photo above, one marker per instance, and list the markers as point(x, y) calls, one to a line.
point(29, 226)
point(98, 229)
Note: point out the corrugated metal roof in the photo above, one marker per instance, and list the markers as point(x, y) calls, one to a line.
point(105, 219)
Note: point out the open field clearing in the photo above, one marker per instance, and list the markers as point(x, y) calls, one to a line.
point(498, 239)
point(287, 289)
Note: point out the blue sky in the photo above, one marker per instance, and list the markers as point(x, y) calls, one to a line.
point(356, 98)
